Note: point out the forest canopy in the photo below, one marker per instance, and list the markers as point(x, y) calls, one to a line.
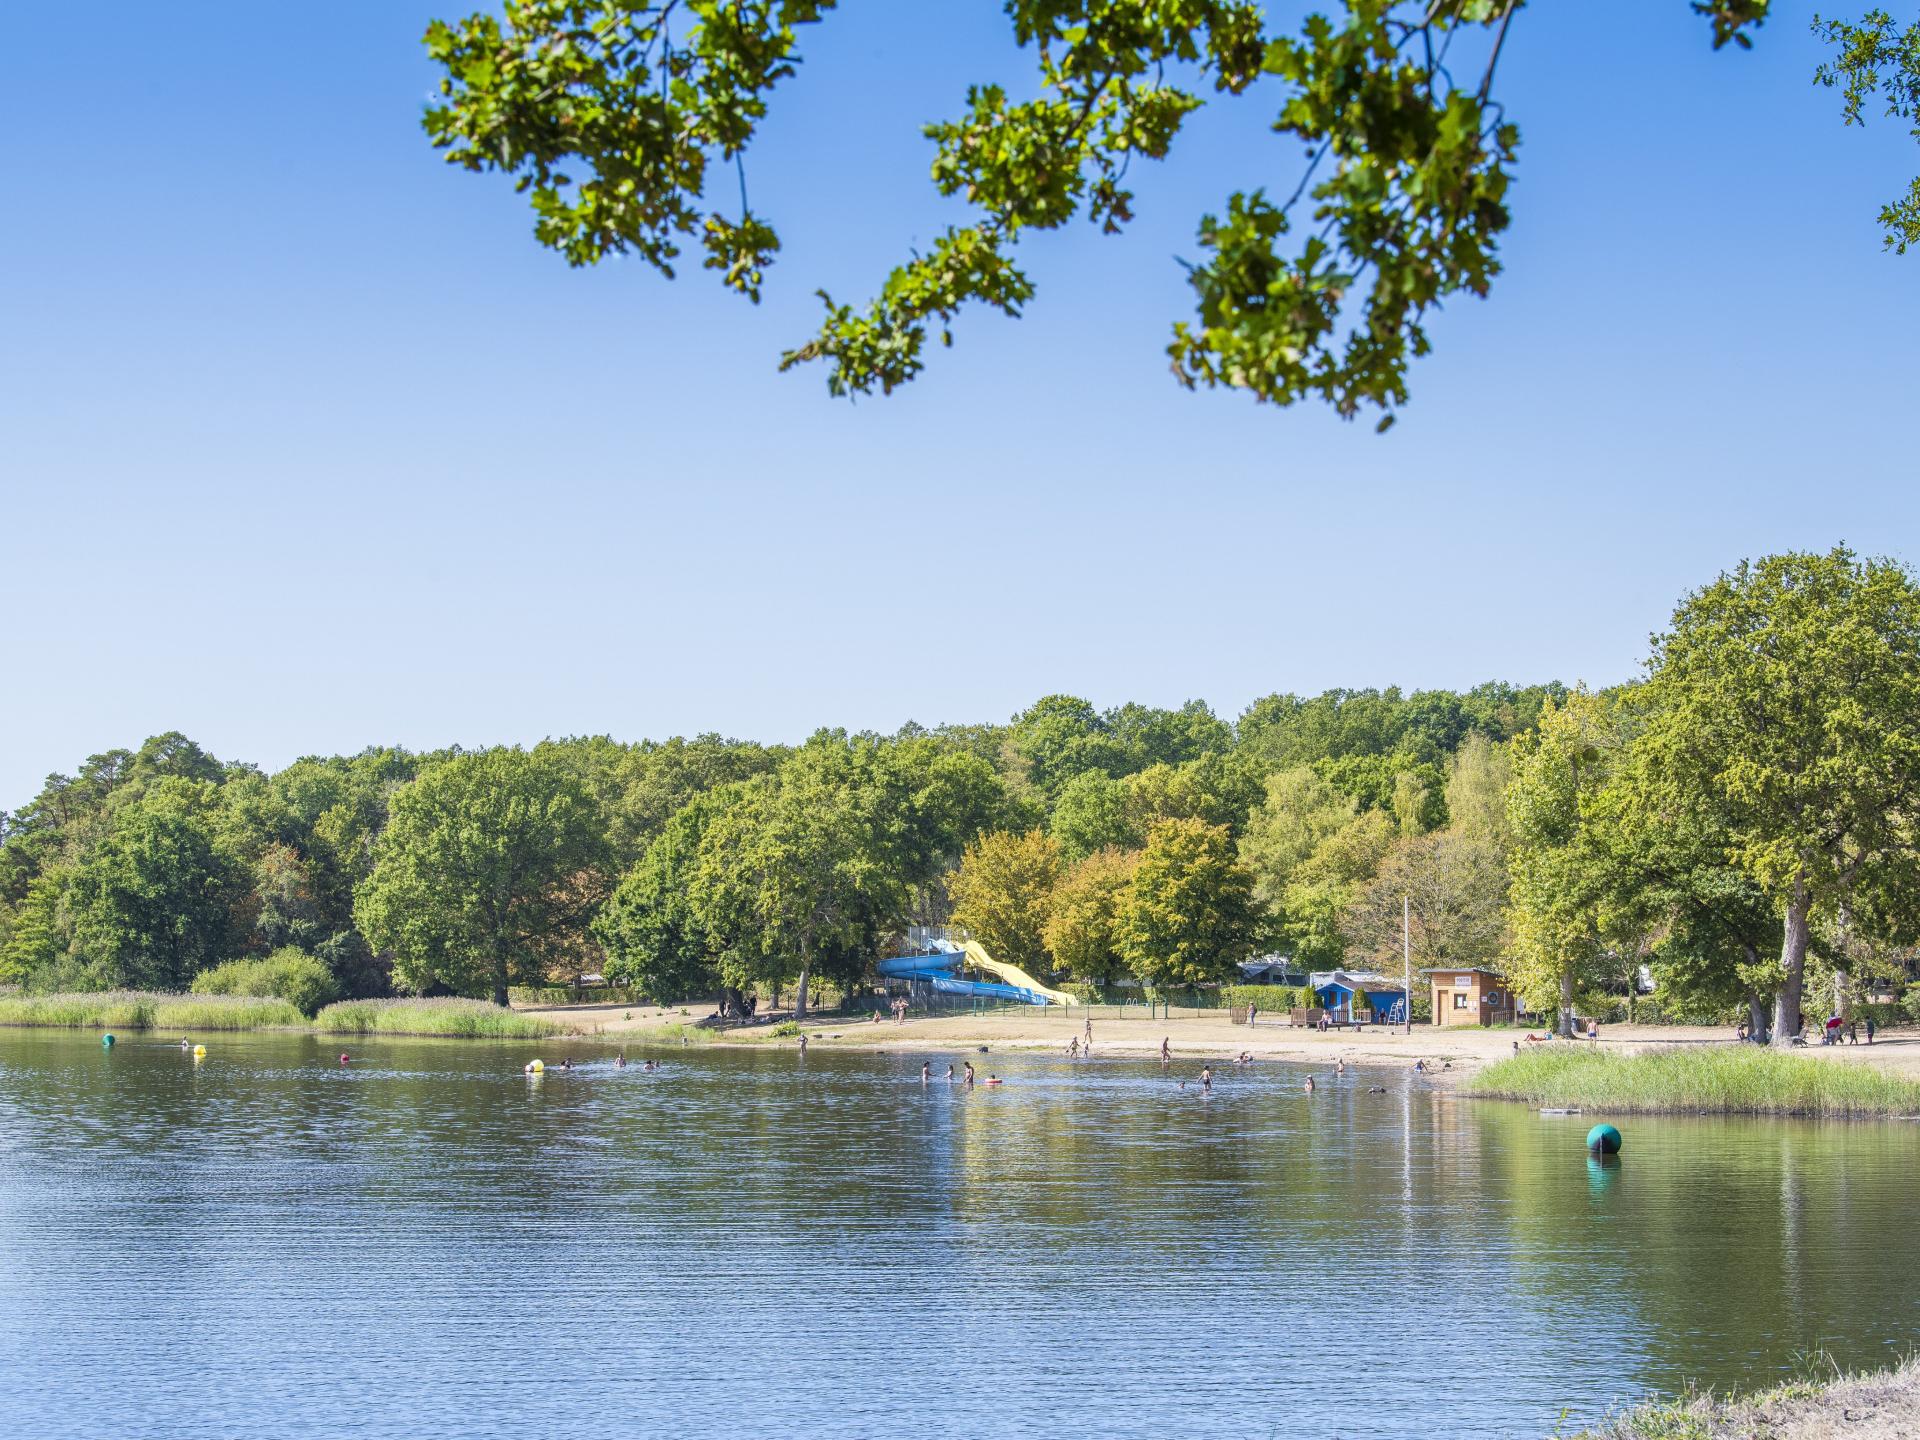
point(1740, 824)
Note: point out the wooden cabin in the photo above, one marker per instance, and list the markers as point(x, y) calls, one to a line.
point(1471, 997)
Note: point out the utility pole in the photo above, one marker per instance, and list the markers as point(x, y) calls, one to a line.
point(1406, 956)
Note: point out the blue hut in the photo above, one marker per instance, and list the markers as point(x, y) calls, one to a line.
point(1350, 996)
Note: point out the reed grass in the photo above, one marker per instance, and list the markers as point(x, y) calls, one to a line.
point(1709, 1080)
point(474, 1019)
point(148, 1010)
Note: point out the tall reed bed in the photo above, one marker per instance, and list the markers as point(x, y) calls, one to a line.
point(149, 1010)
point(1718, 1079)
point(475, 1019)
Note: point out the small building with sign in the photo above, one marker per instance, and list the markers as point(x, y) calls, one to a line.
point(1471, 997)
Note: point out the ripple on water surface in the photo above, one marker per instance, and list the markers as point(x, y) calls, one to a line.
point(429, 1243)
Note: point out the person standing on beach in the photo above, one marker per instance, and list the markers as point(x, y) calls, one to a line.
point(1073, 1048)
point(1088, 1047)
point(1166, 1052)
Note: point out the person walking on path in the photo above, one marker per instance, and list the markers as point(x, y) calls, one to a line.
point(1869, 1029)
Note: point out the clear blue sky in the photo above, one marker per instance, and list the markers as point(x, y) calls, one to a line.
point(305, 444)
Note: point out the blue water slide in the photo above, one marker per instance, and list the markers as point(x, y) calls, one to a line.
point(938, 966)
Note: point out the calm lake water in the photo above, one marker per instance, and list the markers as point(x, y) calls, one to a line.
point(429, 1244)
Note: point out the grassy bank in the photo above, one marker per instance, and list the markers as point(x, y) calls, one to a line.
point(149, 1010)
point(1884, 1403)
point(469, 1019)
point(1710, 1080)
point(132, 1010)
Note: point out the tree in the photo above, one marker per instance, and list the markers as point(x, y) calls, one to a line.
point(1094, 813)
point(798, 866)
point(1873, 55)
point(1454, 887)
point(152, 904)
point(1003, 895)
point(1061, 736)
point(1562, 867)
point(1082, 930)
point(1187, 916)
point(1477, 777)
point(1788, 693)
point(612, 123)
point(1300, 811)
point(488, 871)
point(1320, 892)
point(650, 926)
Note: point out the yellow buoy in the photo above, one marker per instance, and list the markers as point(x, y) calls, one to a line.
point(199, 1052)
point(535, 1067)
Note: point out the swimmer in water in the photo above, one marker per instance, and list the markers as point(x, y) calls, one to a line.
point(620, 1061)
point(949, 1073)
point(993, 1080)
point(186, 1042)
point(803, 1044)
point(926, 1071)
point(969, 1065)
point(1420, 1065)
point(567, 1064)
point(1309, 1084)
point(344, 1057)
point(1340, 1067)
point(1206, 1079)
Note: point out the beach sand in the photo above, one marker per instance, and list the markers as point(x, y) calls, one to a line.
point(1211, 1035)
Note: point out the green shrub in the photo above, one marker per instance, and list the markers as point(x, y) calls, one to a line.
point(289, 974)
point(469, 1018)
point(785, 1028)
point(1910, 1004)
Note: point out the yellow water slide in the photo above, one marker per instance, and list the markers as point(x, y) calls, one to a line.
point(1013, 974)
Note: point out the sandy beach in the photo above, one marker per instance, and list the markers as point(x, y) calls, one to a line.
point(1211, 1035)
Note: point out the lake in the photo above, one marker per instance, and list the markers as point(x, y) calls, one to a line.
point(428, 1243)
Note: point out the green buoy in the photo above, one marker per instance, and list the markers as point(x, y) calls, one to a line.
point(106, 1042)
point(1603, 1140)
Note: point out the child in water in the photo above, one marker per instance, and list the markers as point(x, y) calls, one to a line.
point(969, 1065)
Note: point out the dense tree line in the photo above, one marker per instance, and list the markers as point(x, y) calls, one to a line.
point(1739, 822)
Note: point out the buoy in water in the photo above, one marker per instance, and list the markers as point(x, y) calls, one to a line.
point(199, 1052)
point(1603, 1140)
point(536, 1067)
point(106, 1042)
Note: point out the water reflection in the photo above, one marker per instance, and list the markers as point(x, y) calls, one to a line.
point(426, 1243)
